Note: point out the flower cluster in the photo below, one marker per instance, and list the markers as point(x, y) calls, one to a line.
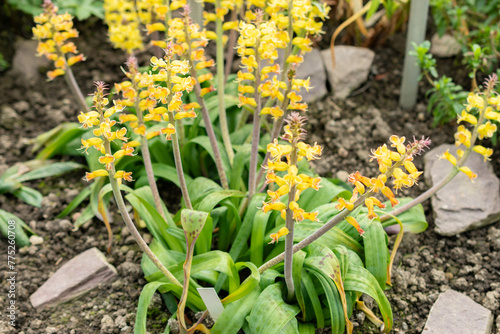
point(123, 20)
point(104, 134)
point(53, 31)
point(391, 164)
point(480, 112)
point(285, 173)
point(156, 96)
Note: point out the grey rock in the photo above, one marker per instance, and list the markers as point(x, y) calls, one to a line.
point(76, 277)
point(445, 46)
point(51, 330)
point(8, 117)
point(36, 240)
point(438, 276)
point(107, 324)
point(462, 205)
point(313, 68)
point(352, 65)
point(456, 313)
point(120, 322)
point(25, 61)
point(65, 225)
point(492, 300)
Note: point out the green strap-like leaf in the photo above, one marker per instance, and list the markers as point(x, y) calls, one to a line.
point(258, 239)
point(376, 252)
point(53, 169)
point(360, 279)
point(29, 195)
point(240, 160)
point(413, 219)
point(270, 313)
point(21, 238)
point(235, 313)
point(312, 294)
point(169, 173)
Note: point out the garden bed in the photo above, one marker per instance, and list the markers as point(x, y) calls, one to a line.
point(426, 264)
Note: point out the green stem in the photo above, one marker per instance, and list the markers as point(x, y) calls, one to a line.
point(220, 84)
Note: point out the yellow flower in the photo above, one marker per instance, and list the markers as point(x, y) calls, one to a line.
point(352, 221)
point(474, 101)
point(463, 136)
point(107, 160)
point(468, 172)
point(448, 156)
point(281, 233)
point(119, 175)
point(96, 173)
point(466, 117)
point(277, 206)
point(398, 143)
point(485, 152)
point(486, 130)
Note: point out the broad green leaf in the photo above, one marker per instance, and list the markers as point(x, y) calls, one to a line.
point(19, 225)
point(169, 173)
point(250, 283)
point(29, 195)
point(324, 260)
point(360, 279)
point(376, 256)
point(270, 313)
point(310, 199)
point(204, 142)
point(240, 242)
point(330, 239)
point(298, 264)
point(413, 219)
point(146, 296)
point(57, 139)
point(53, 169)
point(214, 198)
point(240, 160)
point(257, 241)
point(235, 313)
point(311, 292)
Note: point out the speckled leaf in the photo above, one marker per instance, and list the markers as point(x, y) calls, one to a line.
point(270, 313)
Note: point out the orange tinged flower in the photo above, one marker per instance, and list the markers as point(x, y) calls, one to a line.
point(281, 233)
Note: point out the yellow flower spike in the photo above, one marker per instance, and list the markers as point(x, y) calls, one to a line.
point(184, 114)
point(485, 152)
point(467, 171)
point(486, 130)
point(96, 173)
point(343, 204)
point(291, 178)
point(281, 233)
point(107, 160)
point(277, 151)
point(123, 175)
point(354, 223)
point(448, 156)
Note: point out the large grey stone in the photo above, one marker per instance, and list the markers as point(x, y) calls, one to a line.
point(462, 204)
point(456, 313)
point(25, 61)
point(313, 68)
point(444, 46)
point(352, 65)
point(76, 277)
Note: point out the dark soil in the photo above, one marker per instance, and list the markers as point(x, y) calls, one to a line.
point(426, 264)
